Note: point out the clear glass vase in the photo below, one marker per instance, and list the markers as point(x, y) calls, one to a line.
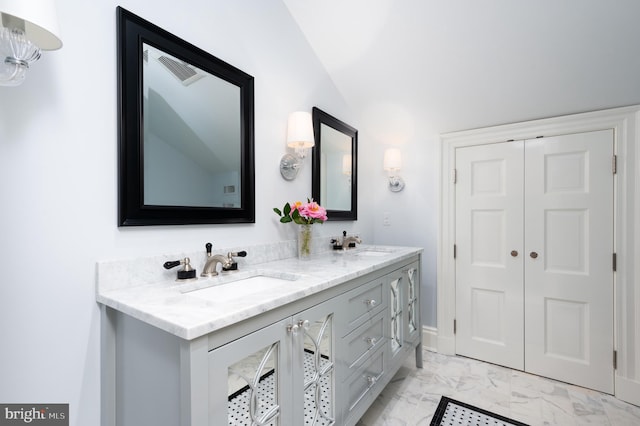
point(305, 241)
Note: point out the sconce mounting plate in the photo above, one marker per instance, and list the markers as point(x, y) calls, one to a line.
point(396, 184)
point(289, 166)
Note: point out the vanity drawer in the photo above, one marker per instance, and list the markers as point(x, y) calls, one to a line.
point(363, 341)
point(363, 303)
point(360, 383)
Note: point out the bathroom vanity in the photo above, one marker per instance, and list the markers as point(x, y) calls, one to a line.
point(281, 341)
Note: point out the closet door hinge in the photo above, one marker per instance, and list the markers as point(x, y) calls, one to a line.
point(455, 176)
point(455, 251)
point(614, 164)
point(615, 262)
point(454, 327)
point(615, 360)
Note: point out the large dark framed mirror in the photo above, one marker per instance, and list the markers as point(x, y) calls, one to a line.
point(186, 131)
point(335, 166)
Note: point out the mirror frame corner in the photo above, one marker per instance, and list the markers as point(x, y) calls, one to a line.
point(132, 31)
point(320, 117)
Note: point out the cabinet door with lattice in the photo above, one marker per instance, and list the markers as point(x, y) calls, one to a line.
point(257, 369)
point(314, 366)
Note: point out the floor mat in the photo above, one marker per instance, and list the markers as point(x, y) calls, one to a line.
point(451, 412)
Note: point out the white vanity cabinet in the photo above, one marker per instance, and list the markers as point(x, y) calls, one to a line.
point(319, 360)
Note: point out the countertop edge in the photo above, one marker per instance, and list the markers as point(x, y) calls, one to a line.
point(158, 304)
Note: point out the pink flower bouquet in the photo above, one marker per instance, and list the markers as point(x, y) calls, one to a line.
point(302, 213)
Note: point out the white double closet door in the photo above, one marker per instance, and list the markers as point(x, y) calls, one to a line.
point(534, 239)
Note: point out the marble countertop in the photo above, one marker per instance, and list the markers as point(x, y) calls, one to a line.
point(193, 309)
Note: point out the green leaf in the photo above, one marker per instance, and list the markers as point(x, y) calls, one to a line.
point(287, 209)
point(277, 210)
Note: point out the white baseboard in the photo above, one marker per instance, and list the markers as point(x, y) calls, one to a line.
point(628, 390)
point(431, 341)
point(430, 338)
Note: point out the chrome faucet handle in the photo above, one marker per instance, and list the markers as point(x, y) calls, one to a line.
point(349, 242)
point(232, 265)
point(186, 273)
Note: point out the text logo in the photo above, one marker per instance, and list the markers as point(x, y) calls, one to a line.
point(34, 414)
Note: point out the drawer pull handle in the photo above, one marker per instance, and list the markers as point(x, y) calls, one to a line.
point(371, 341)
point(370, 303)
point(371, 380)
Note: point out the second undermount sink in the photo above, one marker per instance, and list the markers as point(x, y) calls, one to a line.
point(373, 253)
point(370, 251)
point(250, 282)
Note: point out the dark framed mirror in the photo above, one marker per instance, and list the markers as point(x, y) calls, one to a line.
point(335, 166)
point(186, 131)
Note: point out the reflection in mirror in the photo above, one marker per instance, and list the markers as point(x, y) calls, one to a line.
point(335, 166)
point(336, 151)
point(186, 131)
point(191, 154)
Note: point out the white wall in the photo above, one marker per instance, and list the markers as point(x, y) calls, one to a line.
point(412, 212)
point(58, 174)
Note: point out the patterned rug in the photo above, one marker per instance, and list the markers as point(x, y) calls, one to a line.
point(451, 412)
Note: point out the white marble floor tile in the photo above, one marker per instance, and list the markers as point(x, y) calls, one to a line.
point(413, 395)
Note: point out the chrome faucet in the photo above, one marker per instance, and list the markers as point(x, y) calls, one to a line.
point(228, 264)
point(348, 241)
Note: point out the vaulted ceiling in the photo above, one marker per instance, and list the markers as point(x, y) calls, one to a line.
point(447, 65)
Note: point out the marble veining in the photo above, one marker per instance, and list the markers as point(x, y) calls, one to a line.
point(413, 394)
point(143, 289)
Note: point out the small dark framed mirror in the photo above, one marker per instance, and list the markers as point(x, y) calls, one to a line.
point(186, 131)
point(335, 166)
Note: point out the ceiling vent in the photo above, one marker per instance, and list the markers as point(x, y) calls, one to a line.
point(183, 72)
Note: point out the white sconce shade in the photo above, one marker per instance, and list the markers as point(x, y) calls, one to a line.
point(300, 137)
point(346, 164)
point(392, 159)
point(28, 26)
point(38, 19)
point(300, 130)
point(393, 163)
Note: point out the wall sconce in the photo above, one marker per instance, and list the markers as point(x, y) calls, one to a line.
point(300, 137)
point(347, 161)
point(393, 164)
point(28, 27)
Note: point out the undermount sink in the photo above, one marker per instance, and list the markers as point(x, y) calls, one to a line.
point(369, 251)
point(253, 281)
point(373, 253)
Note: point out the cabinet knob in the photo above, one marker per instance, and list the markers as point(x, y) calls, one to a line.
point(371, 380)
point(514, 253)
point(533, 254)
point(370, 303)
point(371, 341)
point(293, 329)
point(303, 324)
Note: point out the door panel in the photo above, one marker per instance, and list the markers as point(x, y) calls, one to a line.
point(569, 283)
point(489, 221)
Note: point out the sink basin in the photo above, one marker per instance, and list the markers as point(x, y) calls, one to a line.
point(252, 282)
point(369, 251)
point(372, 253)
